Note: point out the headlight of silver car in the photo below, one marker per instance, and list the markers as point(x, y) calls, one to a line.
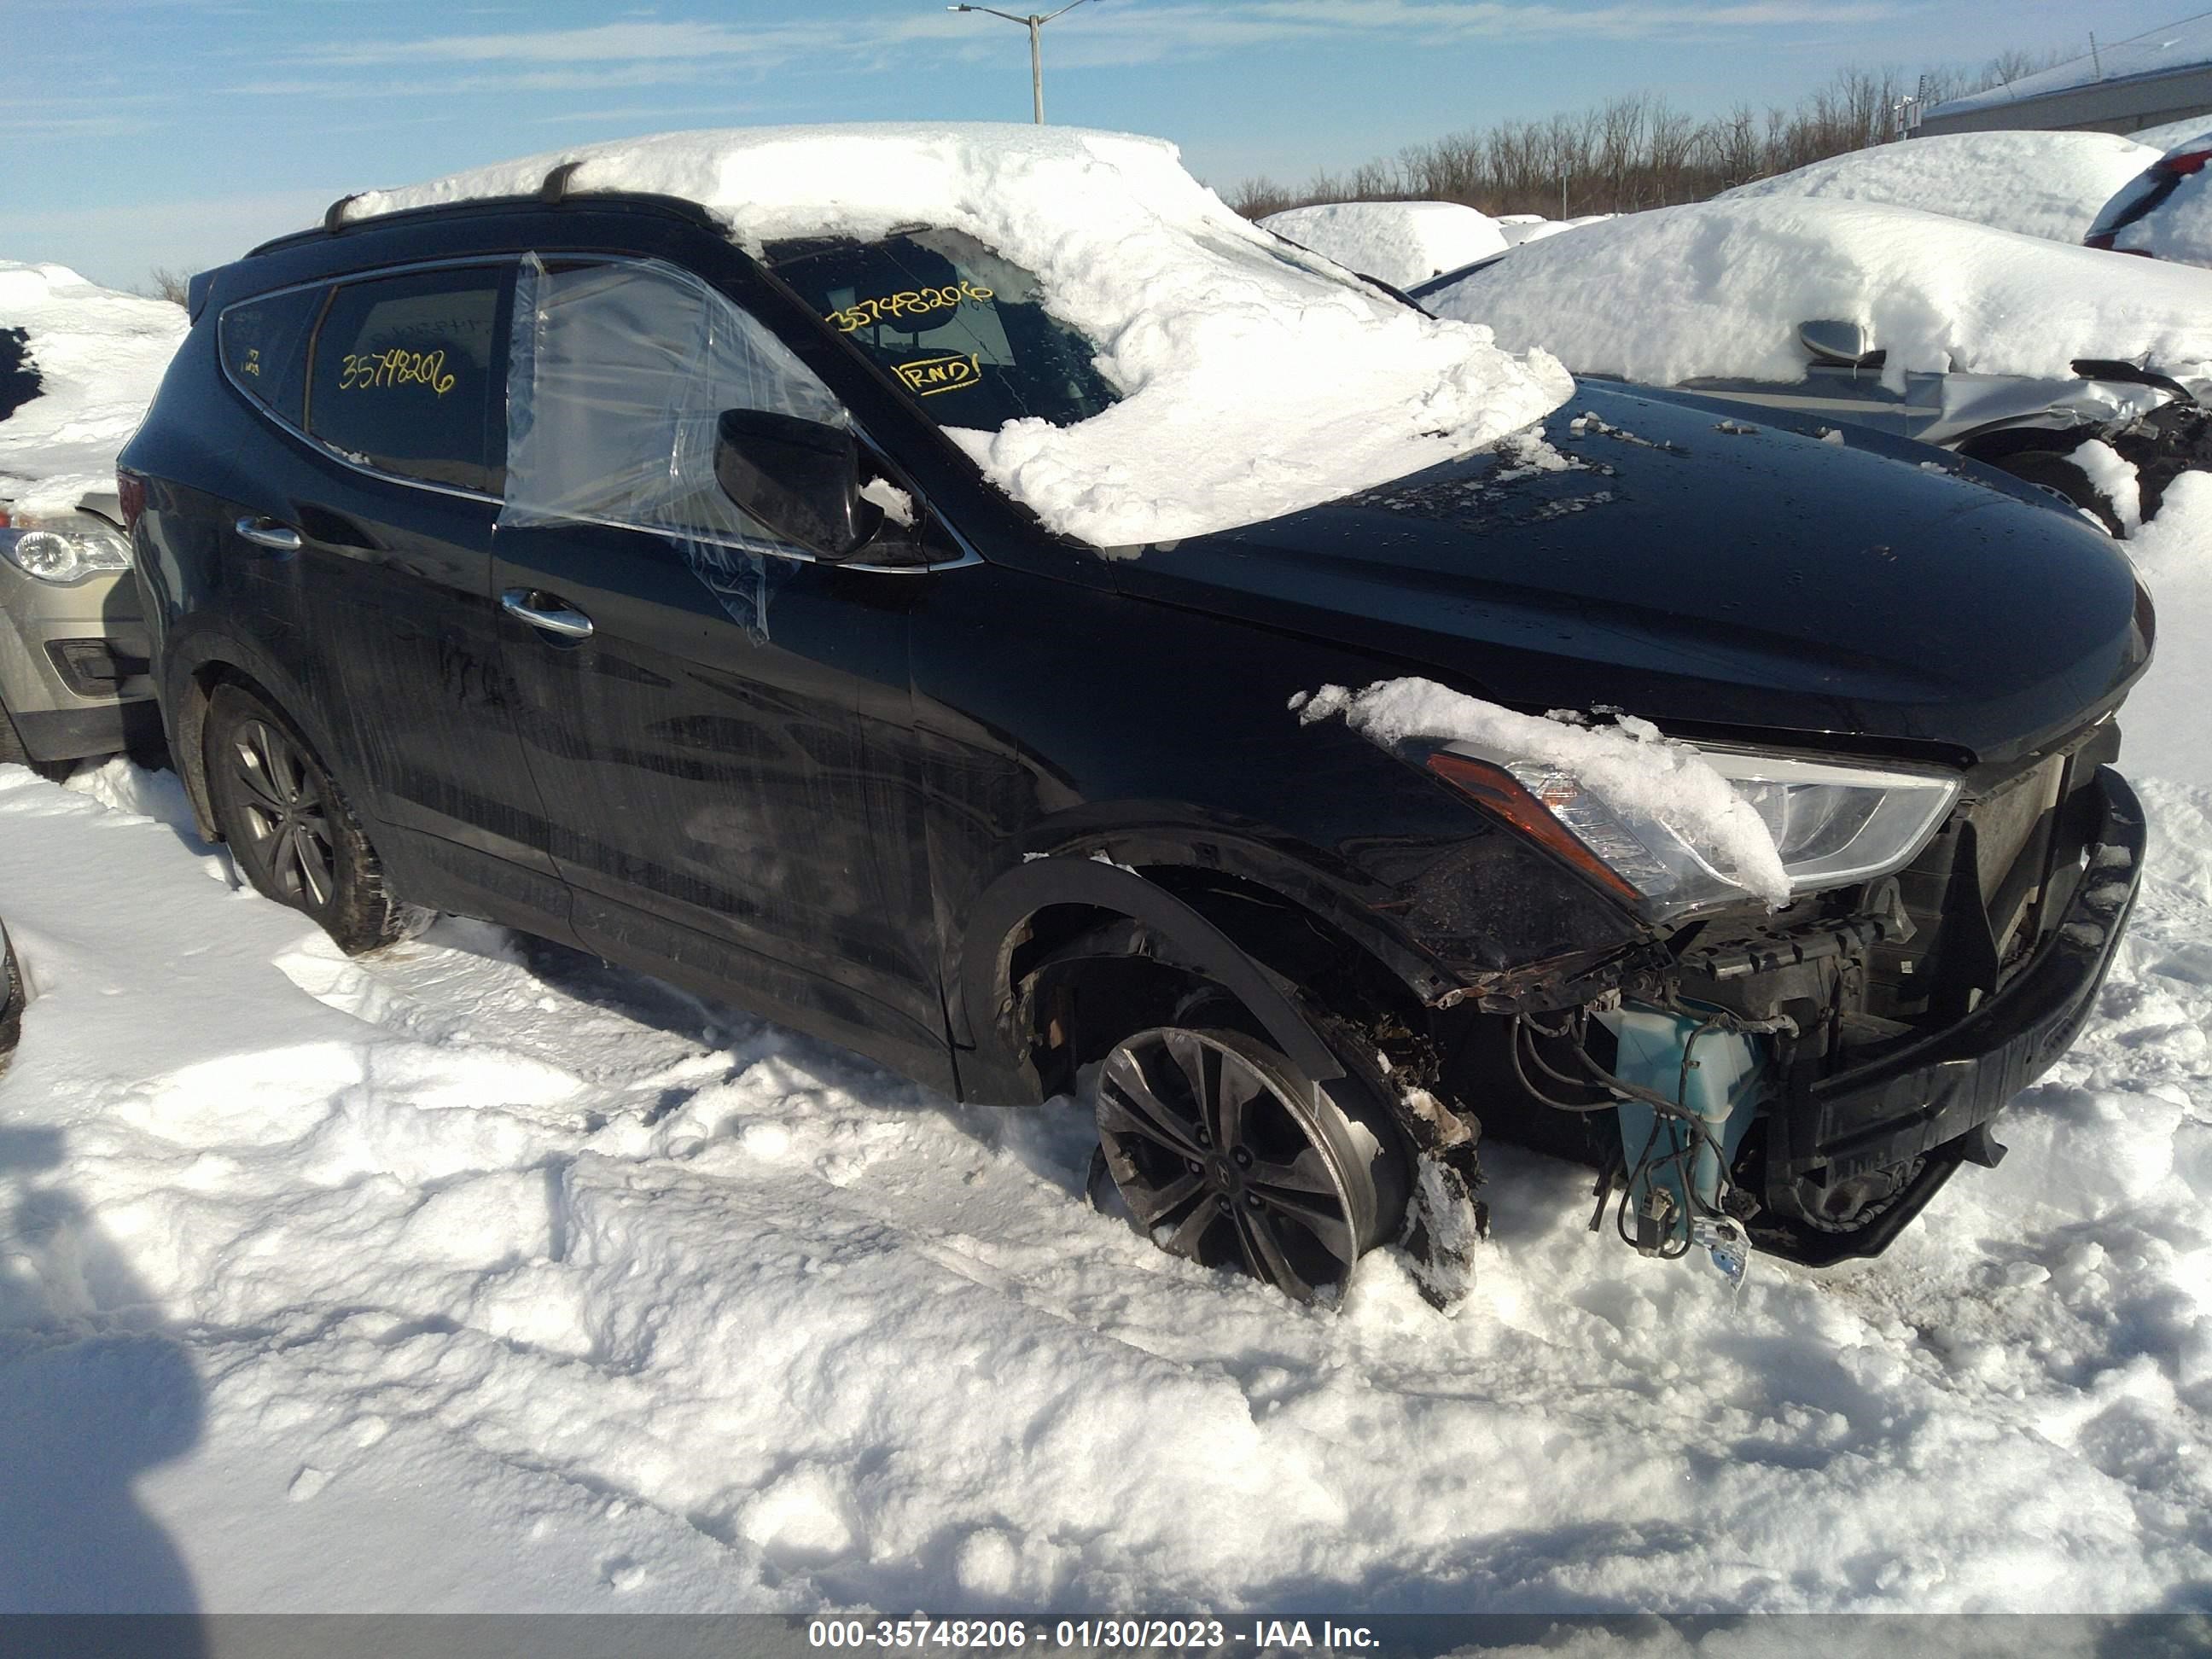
point(64, 551)
point(1833, 824)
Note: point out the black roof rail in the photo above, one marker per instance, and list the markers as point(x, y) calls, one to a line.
point(334, 221)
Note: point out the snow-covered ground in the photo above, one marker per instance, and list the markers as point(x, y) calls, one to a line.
point(479, 1276)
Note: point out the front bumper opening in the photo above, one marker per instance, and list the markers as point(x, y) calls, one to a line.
point(1896, 1020)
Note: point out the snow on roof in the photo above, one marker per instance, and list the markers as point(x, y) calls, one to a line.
point(2040, 183)
point(1255, 382)
point(99, 356)
point(2185, 45)
point(2185, 134)
point(2179, 229)
point(1534, 226)
point(1720, 288)
point(1401, 242)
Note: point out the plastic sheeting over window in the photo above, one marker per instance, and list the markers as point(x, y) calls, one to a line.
point(619, 375)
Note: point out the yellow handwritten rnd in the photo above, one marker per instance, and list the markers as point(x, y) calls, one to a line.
point(928, 376)
point(362, 372)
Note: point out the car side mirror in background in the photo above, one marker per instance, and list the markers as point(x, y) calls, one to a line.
point(798, 477)
point(1832, 340)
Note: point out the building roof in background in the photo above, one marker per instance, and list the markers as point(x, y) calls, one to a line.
point(2177, 46)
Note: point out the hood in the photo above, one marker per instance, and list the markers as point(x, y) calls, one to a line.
point(1710, 573)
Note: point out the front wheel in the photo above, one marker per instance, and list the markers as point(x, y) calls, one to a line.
point(289, 827)
point(1225, 1154)
point(2050, 470)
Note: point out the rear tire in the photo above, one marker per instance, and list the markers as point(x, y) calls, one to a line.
point(12, 998)
point(290, 829)
point(1226, 1154)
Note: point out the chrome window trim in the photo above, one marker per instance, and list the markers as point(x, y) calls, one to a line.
point(967, 555)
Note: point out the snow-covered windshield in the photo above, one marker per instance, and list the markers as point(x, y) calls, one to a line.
point(964, 330)
point(1184, 371)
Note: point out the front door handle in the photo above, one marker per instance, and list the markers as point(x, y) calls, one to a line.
point(544, 611)
point(267, 532)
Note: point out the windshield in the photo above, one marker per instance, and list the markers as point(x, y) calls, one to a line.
point(962, 328)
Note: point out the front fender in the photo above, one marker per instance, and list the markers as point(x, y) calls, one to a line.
point(997, 1067)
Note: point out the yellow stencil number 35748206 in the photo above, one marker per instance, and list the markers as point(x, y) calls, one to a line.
point(367, 370)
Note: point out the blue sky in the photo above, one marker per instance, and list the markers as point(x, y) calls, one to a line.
point(176, 132)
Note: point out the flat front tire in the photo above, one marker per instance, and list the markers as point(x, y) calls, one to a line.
point(287, 825)
point(1226, 1155)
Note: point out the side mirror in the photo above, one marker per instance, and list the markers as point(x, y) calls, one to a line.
point(1831, 340)
point(799, 477)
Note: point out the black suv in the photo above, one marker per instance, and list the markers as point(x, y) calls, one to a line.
point(815, 718)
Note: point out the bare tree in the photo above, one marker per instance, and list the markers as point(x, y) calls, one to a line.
point(165, 283)
point(1636, 152)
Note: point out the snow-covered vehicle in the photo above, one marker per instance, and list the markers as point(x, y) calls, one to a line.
point(1399, 242)
point(2039, 184)
point(964, 592)
point(77, 365)
point(2013, 351)
point(2164, 212)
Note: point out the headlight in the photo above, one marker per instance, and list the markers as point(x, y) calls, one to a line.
point(1833, 824)
point(63, 552)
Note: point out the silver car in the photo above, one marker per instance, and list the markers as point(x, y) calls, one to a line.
point(2025, 425)
point(73, 679)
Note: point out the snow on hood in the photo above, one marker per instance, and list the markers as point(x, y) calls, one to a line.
point(2039, 184)
point(1254, 383)
point(1401, 242)
point(99, 356)
point(1629, 764)
point(1720, 288)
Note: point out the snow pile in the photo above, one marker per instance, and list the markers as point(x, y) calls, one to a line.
point(2175, 135)
point(2164, 716)
point(1535, 227)
point(474, 1277)
point(1720, 288)
point(1628, 765)
point(99, 356)
point(2039, 184)
point(1401, 242)
point(1254, 384)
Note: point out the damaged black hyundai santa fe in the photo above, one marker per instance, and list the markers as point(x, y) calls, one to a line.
point(650, 557)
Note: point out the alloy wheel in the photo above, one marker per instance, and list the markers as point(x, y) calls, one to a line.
point(1224, 1157)
point(284, 814)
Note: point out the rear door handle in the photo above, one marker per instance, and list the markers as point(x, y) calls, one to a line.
point(546, 611)
point(267, 532)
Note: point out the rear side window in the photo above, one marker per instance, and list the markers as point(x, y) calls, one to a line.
point(409, 376)
point(264, 348)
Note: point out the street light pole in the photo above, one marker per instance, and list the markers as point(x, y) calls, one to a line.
point(1036, 27)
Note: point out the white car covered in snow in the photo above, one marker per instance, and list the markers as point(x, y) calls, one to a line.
point(1401, 243)
point(2039, 184)
point(2011, 349)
